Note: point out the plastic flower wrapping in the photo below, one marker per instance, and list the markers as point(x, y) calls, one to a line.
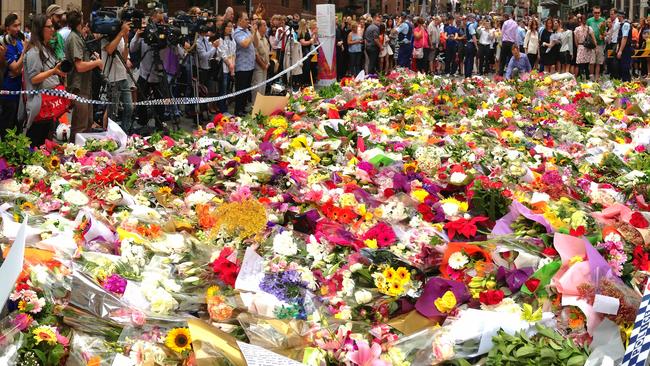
point(408, 220)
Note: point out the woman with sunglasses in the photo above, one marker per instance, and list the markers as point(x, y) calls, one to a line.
point(41, 72)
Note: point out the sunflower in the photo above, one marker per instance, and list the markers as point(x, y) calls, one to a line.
point(27, 206)
point(178, 340)
point(45, 333)
point(55, 162)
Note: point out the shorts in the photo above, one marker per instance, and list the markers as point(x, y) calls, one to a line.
point(566, 58)
point(600, 54)
point(433, 52)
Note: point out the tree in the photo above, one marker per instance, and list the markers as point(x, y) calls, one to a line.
point(483, 6)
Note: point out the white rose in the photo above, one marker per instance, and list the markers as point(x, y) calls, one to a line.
point(283, 244)
point(457, 178)
point(76, 197)
point(362, 297)
point(348, 285)
point(258, 169)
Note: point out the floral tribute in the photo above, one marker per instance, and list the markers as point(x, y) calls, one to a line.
point(407, 220)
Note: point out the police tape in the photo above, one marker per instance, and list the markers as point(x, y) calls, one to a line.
point(644, 53)
point(164, 101)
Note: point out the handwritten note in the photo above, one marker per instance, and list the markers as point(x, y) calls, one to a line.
point(258, 356)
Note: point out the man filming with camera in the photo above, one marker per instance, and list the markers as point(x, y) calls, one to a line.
point(115, 56)
point(151, 69)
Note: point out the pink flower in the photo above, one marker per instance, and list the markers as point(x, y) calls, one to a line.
point(22, 321)
point(63, 340)
point(138, 317)
point(366, 355)
point(383, 233)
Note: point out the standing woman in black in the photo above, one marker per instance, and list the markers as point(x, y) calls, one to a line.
point(548, 51)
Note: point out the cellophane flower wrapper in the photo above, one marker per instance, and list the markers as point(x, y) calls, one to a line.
point(465, 336)
point(288, 337)
point(11, 340)
point(85, 348)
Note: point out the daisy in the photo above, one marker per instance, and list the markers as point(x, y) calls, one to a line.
point(458, 260)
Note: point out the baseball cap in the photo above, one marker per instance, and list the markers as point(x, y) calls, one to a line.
point(54, 9)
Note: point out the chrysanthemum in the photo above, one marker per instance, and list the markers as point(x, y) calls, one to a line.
point(178, 340)
point(45, 333)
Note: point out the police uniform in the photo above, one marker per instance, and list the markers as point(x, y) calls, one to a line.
point(625, 62)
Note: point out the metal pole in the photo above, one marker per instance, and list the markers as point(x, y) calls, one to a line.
point(368, 6)
point(216, 7)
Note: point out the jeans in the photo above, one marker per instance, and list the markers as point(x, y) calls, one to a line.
point(373, 58)
point(355, 63)
point(450, 59)
point(404, 54)
point(483, 58)
point(504, 58)
point(470, 52)
point(243, 80)
point(224, 89)
point(120, 91)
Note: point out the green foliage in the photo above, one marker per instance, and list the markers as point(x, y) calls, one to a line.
point(330, 91)
point(14, 148)
point(547, 347)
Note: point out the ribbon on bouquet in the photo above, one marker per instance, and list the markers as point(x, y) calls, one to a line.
point(164, 101)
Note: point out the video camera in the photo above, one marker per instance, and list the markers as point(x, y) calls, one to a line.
point(190, 25)
point(108, 21)
point(160, 36)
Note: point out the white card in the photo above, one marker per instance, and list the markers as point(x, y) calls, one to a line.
point(13, 264)
point(606, 304)
point(258, 356)
point(134, 297)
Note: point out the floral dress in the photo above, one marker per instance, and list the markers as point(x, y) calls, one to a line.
point(585, 55)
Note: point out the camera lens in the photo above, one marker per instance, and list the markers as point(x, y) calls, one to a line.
point(66, 66)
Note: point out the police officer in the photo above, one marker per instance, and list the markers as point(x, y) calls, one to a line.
point(624, 50)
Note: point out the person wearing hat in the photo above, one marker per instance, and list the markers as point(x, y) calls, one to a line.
point(624, 50)
point(55, 13)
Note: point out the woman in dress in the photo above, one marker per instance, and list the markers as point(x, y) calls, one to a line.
point(549, 51)
point(41, 72)
point(585, 56)
point(531, 42)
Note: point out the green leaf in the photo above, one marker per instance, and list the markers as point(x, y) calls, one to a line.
point(40, 354)
point(526, 351)
point(546, 353)
point(578, 360)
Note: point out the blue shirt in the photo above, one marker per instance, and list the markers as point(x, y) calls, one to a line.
point(521, 35)
point(451, 31)
point(522, 64)
point(244, 56)
point(471, 30)
point(12, 82)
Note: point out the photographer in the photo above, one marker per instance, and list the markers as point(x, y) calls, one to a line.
point(116, 74)
point(246, 41)
point(41, 72)
point(14, 56)
point(79, 81)
point(150, 74)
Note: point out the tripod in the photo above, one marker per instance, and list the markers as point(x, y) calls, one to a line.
point(107, 72)
point(194, 69)
point(161, 90)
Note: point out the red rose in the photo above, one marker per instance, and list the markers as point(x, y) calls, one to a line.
point(532, 284)
point(490, 297)
point(549, 252)
point(638, 221)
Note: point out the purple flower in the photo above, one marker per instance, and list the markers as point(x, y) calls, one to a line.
point(435, 288)
point(115, 284)
point(6, 171)
point(268, 151)
point(514, 278)
point(286, 286)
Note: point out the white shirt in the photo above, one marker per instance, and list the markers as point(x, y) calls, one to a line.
point(113, 68)
point(531, 42)
point(64, 32)
point(486, 37)
point(227, 50)
point(614, 31)
point(567, 41)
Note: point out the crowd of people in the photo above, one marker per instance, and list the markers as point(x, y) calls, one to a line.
point(234, 51)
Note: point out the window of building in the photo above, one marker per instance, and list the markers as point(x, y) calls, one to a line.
point(285, 3)
point(306, 4)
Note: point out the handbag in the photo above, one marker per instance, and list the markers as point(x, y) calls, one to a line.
point(52, 106)
point(418, 53)
point(589, 42)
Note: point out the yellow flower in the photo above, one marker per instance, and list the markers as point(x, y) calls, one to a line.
point(212, 291)
point(402, 275)
point(508, 113)
point(389, 274)
point(179, 340)
point(164, 190)
point(446, 303)
point(395, 289)
point(371, 243)
point(618, 114)
point(80, 153)
point(45, 333)
point(347, 199)
point(27, 206)
point(278, 122)
point(55, 162)
point(419, 195)
point(299, 142)
point(411, 167)
point(462, 206)
point(575, 259)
